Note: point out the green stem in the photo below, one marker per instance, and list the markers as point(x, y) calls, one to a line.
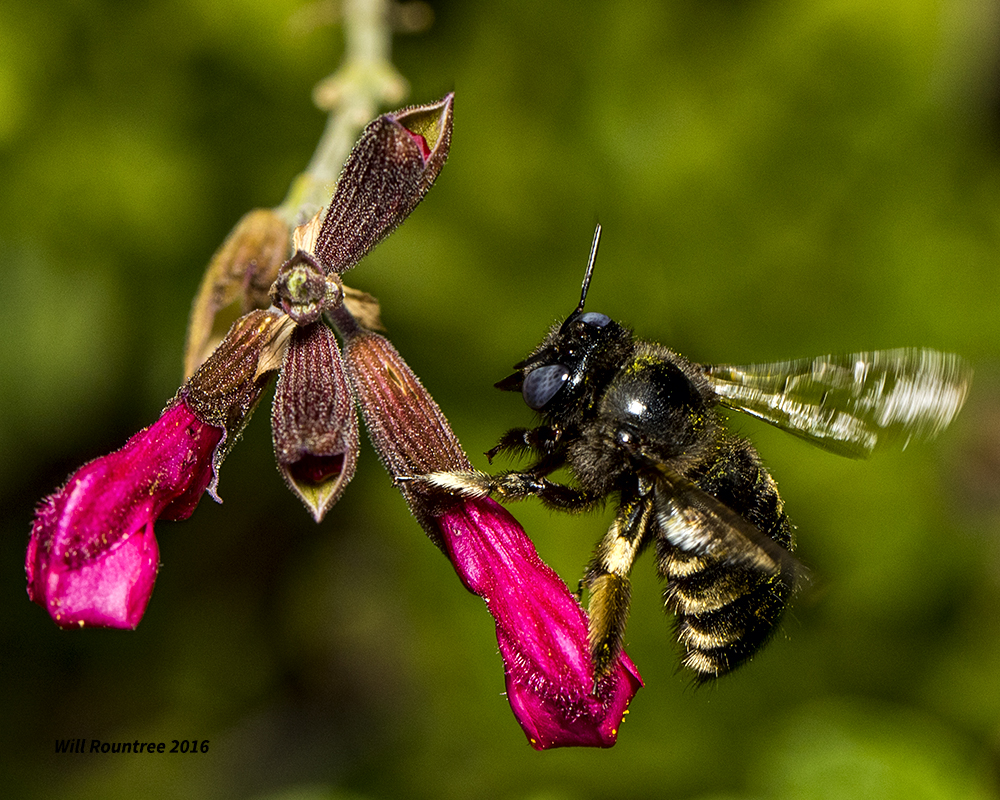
point(365, 81)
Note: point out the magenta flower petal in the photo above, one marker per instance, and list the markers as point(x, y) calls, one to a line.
point(541, 631)
point(92, 558)
point(107, 592)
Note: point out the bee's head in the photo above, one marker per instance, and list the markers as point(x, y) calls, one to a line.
point(573, 358)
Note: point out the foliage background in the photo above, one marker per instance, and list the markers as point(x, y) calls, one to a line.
point(775, 179)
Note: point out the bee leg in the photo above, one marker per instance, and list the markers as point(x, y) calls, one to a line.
point(543, 440)
point(469, 483)
point(516, 440)
point(511, 486)
point(607, 581)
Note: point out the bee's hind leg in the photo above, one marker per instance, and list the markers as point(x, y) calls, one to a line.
point(607, 581)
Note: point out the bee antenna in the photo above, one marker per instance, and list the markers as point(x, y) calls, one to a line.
point(590, 267)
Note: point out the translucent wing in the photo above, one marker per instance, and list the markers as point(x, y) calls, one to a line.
point(850, 403)
point(703, 526)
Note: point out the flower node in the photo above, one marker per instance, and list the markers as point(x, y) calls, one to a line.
point(303, 291)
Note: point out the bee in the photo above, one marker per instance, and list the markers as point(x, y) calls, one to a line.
point(634, 421)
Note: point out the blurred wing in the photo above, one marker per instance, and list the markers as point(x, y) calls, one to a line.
point(850, 403)
point(701, 525)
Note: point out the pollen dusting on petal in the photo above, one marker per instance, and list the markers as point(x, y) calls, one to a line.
point(110, 591)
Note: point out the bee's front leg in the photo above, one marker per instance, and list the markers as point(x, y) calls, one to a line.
point(467, 483)
point(542, 440)
point(510, 486)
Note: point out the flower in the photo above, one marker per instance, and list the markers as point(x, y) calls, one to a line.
point(541, 631)
point(390, 169)
point(92, 558)
point(541, 628)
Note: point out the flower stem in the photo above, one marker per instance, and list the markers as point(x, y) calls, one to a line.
point(365, 80)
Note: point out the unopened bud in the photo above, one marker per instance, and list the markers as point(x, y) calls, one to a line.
point(389, 171)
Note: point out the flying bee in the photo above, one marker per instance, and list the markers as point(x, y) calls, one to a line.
point(635, 421)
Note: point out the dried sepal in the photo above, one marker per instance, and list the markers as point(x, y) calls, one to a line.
point(305, 235)
point(237, 281)
point(314, 424)
point(386, 175)
point(225, 389)
point(364, 308)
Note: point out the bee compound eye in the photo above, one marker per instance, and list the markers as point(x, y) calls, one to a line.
point(541, 384)
point(595, 318)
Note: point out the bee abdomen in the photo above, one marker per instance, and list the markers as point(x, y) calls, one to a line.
point(726, 612)
point(704, 591)
point(724, 624)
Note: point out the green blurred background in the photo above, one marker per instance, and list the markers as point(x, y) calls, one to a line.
point(775, 179)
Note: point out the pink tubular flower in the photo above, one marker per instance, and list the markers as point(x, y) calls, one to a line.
point(541, 627)
point(92, 558)
point(541, 631)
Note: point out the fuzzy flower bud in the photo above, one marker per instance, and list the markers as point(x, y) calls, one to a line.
point(390, 169)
